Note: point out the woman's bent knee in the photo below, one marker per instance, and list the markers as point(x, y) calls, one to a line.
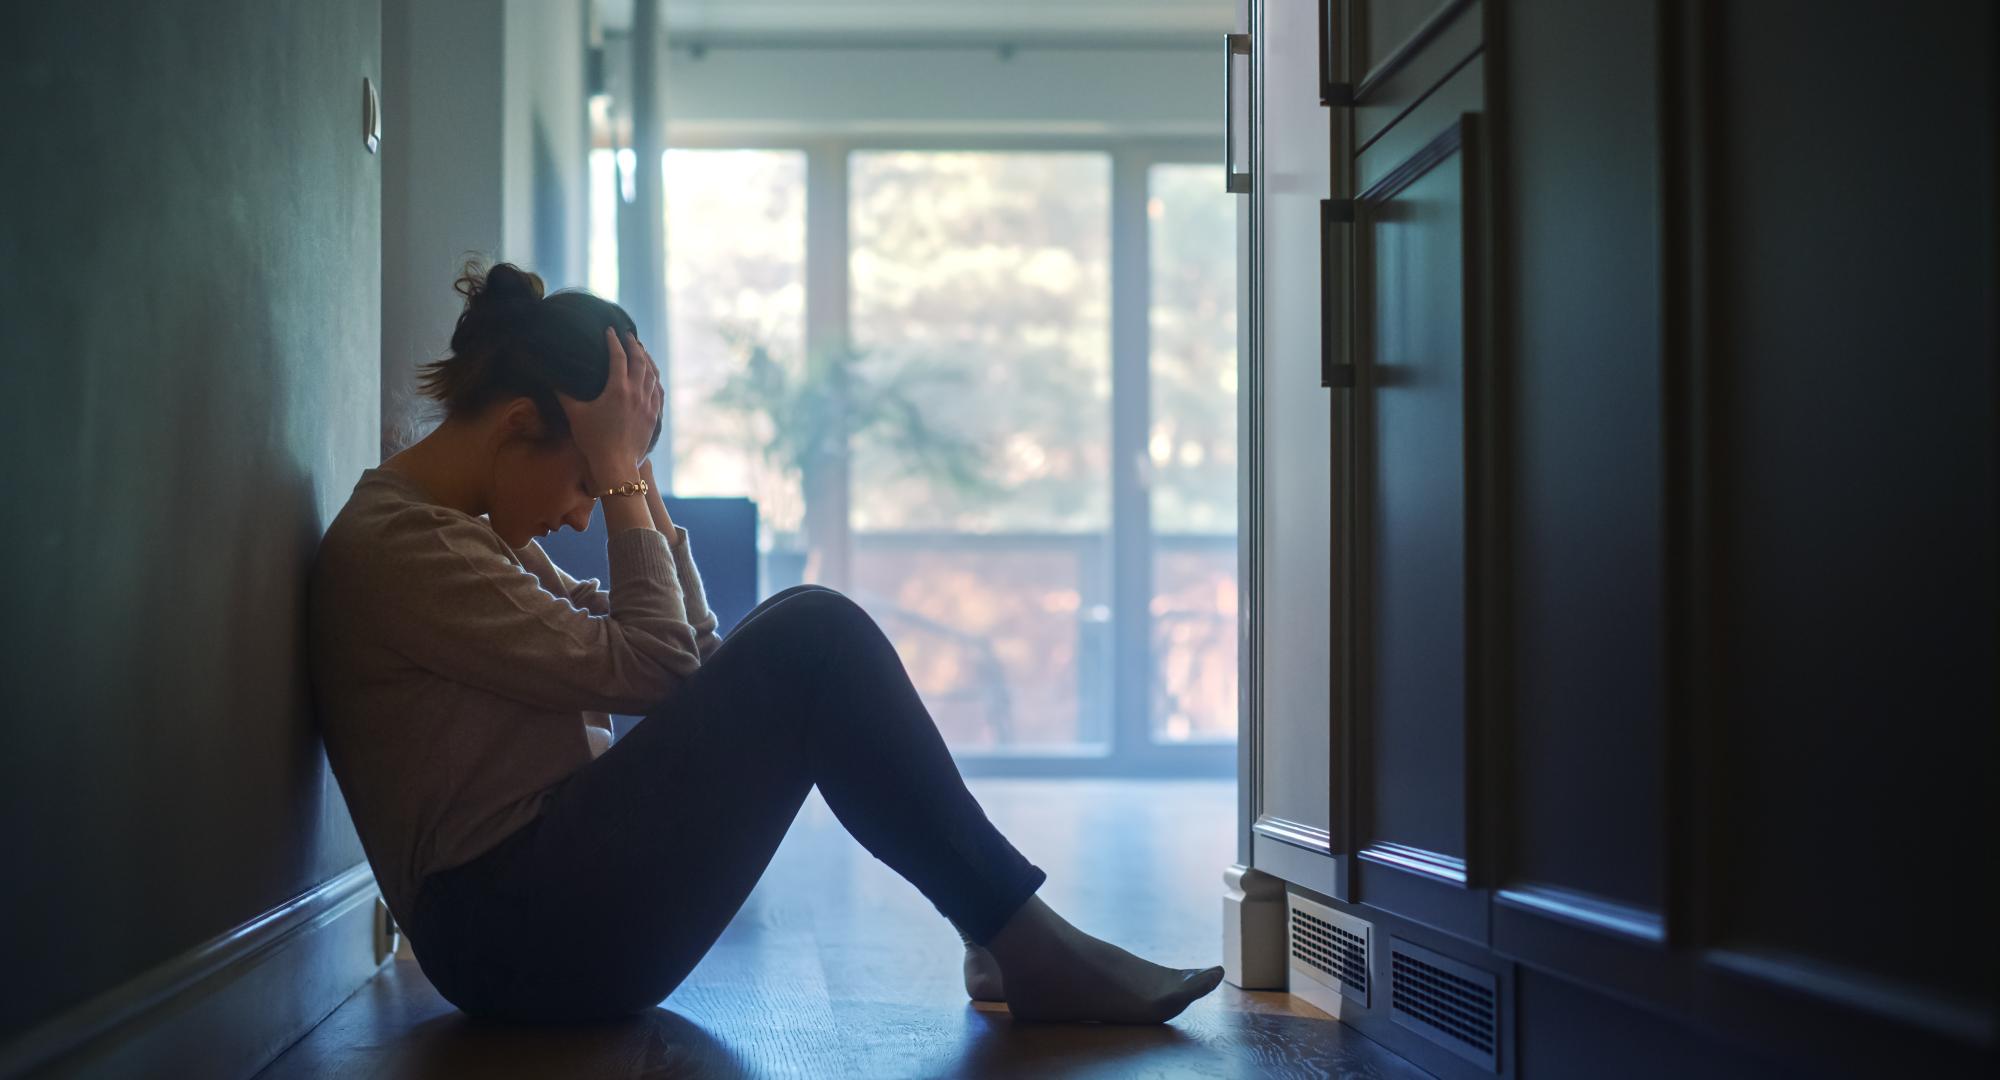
point(797, 589)
point(802, 616)
point(773, 600)
point(801, 598)
point(820, 602)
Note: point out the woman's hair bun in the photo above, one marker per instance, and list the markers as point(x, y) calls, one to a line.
point(500, 284)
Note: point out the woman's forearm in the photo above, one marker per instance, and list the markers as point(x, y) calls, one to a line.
point(700, 617)
point(658, 508)
point(621, 512)
point(655, 505)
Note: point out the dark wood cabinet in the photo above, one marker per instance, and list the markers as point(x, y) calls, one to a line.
point(1630, 369)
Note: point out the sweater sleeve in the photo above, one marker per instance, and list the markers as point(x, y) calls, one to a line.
point(586, 593)
point(460, 607)
point(703, 620)
point(589, 595)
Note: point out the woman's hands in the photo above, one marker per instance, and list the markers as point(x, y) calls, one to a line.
point(612, 430)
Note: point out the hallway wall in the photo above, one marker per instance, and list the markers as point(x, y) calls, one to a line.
point(190, 287)
point(483, 153)
point(545, 137)
point(744, 89)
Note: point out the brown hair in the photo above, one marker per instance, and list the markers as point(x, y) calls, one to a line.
point(511, 341)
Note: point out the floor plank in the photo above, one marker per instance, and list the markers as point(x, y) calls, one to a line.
point(836, 966)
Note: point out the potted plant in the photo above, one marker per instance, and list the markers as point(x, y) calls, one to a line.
point(818, 411)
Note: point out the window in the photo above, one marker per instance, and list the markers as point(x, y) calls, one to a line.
point(736, 280)
point(989, 274)
point(981, 286)
point(607, 168)
point(1191, 447)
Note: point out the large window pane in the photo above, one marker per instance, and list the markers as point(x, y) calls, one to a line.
point(984, 280)
point(1005, 636)
point(1192, 448)
point(991, 271)
point(604, 199)
point(735, 281)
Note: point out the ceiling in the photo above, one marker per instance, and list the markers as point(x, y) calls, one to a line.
point(935, 21)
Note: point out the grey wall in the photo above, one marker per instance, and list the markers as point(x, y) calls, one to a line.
point(483, 153)
point(441, 167)
point(546, 139)
point(1165, 91)
point(189, 284)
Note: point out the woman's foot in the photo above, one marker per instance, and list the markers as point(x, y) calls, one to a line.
point(1053, 971)
point(982, 975)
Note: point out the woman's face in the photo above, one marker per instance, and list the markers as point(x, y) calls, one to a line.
point(537, 490)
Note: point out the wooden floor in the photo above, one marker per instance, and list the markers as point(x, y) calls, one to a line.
point(837, 967)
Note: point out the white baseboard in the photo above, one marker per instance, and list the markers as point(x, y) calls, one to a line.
point(1253, 929)
point(227, 1007)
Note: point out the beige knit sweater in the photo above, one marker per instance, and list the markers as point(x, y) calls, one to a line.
point(456, 679)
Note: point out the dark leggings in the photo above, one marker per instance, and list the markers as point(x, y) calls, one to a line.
point(603, 904)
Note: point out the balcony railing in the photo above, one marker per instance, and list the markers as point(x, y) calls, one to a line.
point(1008, 637)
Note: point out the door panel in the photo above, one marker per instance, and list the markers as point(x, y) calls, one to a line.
point(1411, 553)
point(1847, 766)
point(1584, 776)
point(1384, 26)
point(1401, 52)
point(1295, 440)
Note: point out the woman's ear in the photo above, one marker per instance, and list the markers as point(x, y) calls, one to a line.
point(521, 420)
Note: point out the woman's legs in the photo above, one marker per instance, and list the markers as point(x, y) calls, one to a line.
point(605, 903)
point(982, 972)
point(641, 858)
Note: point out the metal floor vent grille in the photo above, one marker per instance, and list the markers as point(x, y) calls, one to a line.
point(1334, 951)
point(1451, 1004)
point(1331, 948)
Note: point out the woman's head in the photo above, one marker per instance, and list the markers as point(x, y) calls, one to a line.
point(512, 342)
point(513, 351)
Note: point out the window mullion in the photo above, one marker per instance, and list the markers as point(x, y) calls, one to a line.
point(1131, 549)
point(827, 321)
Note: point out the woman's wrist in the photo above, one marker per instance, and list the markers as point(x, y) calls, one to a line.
point(656, 502)
point(629, 487)
point(623, 512)
point(608, 471)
